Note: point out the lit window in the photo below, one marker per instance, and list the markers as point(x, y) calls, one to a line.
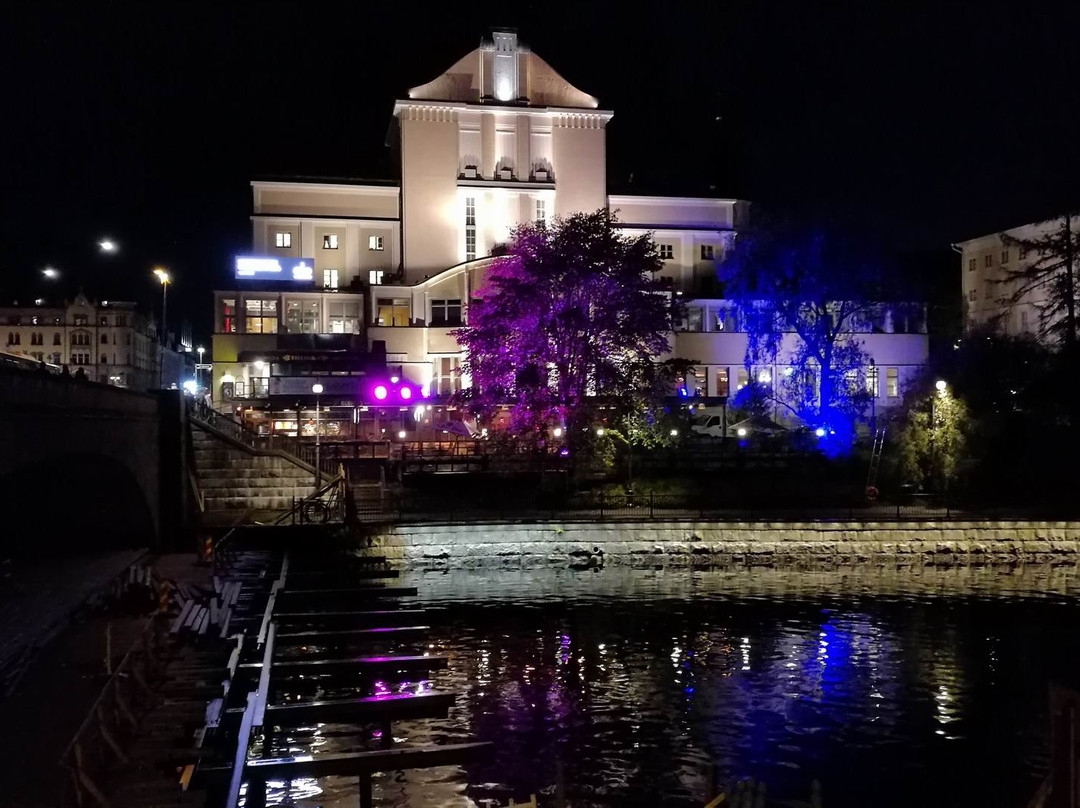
point(988, 260)
point(261, 316)
point(667, 252)
point(541, 211)
point(392, 311)
point(892, 382)
point(282, 239)
point(470, 228)
point(329, 241)
point(721, 381)
point(1005, 256)
point(375, 243)
point(228, 316)
point(302, 317)
point(375, 276)
point(707, 252)
point(872, 381)
point(446, 376)
point(329, 279)
point(446, 312)
point(260, 387)
point(343, 316)
point(741, 379)
point(971, 265)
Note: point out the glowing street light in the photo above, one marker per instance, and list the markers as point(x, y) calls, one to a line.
point(674, 433)
point(52, 273)
point(200, 351)
point(941, 385)
point(107, 245)
point(557, 432)
point(741, 432)
point(600, 432)
point(163, 279)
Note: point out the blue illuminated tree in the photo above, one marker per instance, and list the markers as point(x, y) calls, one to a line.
point(805, 291)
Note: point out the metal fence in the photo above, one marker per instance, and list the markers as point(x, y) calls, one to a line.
point(234, 429)
point(663, 507)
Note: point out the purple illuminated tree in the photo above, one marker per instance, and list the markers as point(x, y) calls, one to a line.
point(569, 316)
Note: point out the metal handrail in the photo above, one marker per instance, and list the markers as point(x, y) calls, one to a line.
point(281, 444)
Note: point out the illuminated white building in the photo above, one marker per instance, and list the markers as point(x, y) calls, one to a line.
point(986, 265)
point(498, 139)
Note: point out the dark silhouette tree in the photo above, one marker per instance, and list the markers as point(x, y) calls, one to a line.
point(1046, 269)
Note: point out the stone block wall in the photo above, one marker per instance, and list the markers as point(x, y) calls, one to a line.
point(715, 543)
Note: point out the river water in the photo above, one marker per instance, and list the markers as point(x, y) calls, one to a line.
point(623, 687)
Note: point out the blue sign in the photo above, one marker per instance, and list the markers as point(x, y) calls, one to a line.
point(270, 268)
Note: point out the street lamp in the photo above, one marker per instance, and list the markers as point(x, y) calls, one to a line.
point(51, 273)
point(163, 278)
point(941, 385)
point(317, 390)
point(200, 351)
point(107, 245)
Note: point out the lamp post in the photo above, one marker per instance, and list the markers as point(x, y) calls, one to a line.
point(200, 351)
point(317, 390)
point(163, 278)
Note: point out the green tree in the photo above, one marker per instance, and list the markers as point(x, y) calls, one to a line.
point(933, 441)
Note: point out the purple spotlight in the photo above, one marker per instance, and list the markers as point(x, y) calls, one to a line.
point(406, 393)
point(380, 392)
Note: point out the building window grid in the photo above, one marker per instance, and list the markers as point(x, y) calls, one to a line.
point(470, 228)
point(392, 311)
point(446, 312)
point(541, 211)
point(892, 382)
point(375, 277)
point(446, 375)
point(972, 263)
point(283, 240)
point(375, 243)
point(988, 260)
point(330, 278)
point(1005, 256)
point(707, 252)
point(261, 316)
point(667, 252)
point(330, 241)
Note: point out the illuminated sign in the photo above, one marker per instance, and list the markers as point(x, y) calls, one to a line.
point(275, 269)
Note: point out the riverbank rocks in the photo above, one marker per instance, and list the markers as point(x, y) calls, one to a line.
point(705, 544)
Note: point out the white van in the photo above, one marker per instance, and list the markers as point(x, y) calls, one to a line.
point(709, 424)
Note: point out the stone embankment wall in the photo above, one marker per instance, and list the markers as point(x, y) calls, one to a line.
point(711, 543)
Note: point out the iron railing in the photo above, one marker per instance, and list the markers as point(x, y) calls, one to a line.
point(675, 507)
point(301, 450)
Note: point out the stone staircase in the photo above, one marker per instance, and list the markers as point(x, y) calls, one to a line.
point(234, 480)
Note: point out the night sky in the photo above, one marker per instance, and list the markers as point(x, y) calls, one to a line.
point(928, 122)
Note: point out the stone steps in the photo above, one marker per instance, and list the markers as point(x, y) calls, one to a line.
point(231, 479)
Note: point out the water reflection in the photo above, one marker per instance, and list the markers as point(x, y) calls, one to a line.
point(891, 687)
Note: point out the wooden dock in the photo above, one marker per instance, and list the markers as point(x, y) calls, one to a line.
point(322, 607)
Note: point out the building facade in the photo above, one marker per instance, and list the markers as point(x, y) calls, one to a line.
point(988, 265)
point(498, 139)
point(110, 341)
